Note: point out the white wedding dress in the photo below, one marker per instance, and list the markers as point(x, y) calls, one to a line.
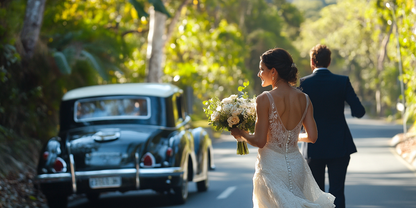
point(283, 178)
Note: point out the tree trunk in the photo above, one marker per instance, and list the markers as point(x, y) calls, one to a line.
point(380, 67)
point(155, 45)
point(156, 41)
point(31, 26)
point(383, 51)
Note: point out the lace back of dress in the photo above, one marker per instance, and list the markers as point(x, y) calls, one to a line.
point(278, 134)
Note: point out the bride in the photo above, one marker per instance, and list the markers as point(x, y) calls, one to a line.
point(282, 177)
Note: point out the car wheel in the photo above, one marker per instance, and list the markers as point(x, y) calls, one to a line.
point(202, 186)
point(180, 193)
point(93, 196)
point(57, 201)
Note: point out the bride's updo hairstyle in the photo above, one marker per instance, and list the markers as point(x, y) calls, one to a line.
point(282, 61)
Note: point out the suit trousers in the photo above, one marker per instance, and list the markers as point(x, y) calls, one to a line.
point(337, 171)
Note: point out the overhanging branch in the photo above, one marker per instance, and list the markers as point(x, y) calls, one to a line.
point(133, 31)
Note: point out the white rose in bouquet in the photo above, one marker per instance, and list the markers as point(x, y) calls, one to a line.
point(233, 97)
point(235, 111)
point(227, 107)
point(233, 120)
point(226, 101)
point(215, 116)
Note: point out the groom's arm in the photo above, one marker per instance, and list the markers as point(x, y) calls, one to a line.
point(357, 109)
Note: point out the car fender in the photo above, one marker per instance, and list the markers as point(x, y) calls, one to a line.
point(185, 151)
point(201, 143)
point(192, 156)
point(206, 144)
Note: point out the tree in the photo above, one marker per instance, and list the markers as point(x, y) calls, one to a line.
point(351, 34)
point(31, 26)
point(311, 8)
point(157, 39)
point(360, 34)
point(263, 25)
point(156, 43)
point(405, 12)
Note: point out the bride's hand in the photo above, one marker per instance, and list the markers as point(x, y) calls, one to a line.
point(237, 133)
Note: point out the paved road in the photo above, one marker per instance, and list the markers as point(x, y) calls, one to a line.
point(377, 177)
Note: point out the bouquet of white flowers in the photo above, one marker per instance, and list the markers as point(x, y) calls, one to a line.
point(233, 111)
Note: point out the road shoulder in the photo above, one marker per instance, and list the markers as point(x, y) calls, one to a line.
point(405, 148)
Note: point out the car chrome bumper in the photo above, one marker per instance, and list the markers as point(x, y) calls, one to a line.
point(147, 178)
point(155, 172)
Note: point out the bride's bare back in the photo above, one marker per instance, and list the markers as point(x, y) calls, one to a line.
point(290, 105)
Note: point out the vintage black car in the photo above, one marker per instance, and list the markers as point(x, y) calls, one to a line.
point(123, 137)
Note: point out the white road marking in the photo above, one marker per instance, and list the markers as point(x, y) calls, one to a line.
point(227, 192)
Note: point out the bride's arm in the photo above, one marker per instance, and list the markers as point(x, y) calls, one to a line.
point(259, 138)
point(311, 134)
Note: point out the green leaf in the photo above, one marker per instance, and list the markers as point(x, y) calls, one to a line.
point(70, 54)
point(139, 8)
point(205, 102)
point(245, 95)
point(93, 61)
point(61, 62)
point(10, 53)
point(158, 4)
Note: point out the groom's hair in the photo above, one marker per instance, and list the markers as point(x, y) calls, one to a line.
point(321, 55)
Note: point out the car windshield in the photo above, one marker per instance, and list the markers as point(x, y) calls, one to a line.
point(105, 108)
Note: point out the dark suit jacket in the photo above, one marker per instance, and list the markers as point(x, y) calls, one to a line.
point(328, 93)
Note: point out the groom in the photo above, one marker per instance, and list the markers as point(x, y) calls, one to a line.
point(328, 93)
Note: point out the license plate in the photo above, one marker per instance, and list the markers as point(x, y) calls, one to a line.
point(105, 182)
